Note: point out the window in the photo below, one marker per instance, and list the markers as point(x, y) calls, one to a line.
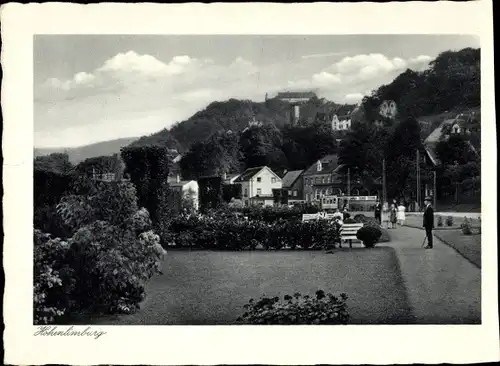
point(273, 180)
point(259, 179)
point(322, 179)
point(259, 191)
point(328, 179)
point(329, 191)
point(316, 180)
point(246, 193)
point(295, 193)
point(289, 193)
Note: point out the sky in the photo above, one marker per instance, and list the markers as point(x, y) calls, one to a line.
point(92, 88)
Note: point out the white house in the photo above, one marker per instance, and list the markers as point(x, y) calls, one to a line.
point(257, 186)
point(188, 188)
point(341, 123)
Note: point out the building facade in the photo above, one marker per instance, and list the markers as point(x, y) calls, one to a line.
point(341, 123)
point(326, 178)
point(257, 186)
point(188, 190)
point(293, 183)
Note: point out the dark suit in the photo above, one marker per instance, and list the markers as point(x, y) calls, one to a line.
point(429, 223)
point(378, 209)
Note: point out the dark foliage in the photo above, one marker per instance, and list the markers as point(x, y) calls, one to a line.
point(297, 309)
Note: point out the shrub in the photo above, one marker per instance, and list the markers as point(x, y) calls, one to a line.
point(297, 309)
point(105, 264)
point(466, 227)
point(369, 235)
point(439, 221)
point(449, 221)
point(53, 277)
point(232, 231)
point(350, 221)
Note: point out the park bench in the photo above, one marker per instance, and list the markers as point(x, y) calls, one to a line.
point(309, 217)
point(348, 232)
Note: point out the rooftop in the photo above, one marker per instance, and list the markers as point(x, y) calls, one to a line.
point(249, 173)
point(296, 94)
point(329, 165)
point(290, 178)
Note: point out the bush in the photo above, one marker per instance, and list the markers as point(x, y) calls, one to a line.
point(449, 221)
point(104, 266)
point(233, 231)
point(297, 309)
point(369, 235)
point(466, 227)
point(439, 221)
point(350, 221)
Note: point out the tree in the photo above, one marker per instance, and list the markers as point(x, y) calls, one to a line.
point(147, 167)
point(303, 145)
point(455, 149)
point(262, 146)
point(55, 162)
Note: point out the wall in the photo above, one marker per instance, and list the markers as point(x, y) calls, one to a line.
point(265, 184)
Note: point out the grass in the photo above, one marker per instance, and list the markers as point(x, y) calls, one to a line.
point(210, 288)
point(469, 246)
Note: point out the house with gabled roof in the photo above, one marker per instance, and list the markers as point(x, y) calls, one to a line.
point(294, 185)
point(257, 185)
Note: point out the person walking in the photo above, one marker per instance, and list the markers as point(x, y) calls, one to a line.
point(378, 209)
point(393, 219)
point(385, 215)
point(428, 223)
point(401, 214)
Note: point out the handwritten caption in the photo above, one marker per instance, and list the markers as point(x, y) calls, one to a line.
point(58, 331)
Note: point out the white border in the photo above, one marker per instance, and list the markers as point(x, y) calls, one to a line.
point(237, 344)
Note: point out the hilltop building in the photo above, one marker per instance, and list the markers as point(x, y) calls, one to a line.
point(341, 123)
point(388, 109)
point(295, 99)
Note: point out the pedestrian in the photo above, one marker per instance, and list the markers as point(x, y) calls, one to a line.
point(345, 213)
point(428, 223)
point(393, 219)
point(401, 214)
point(385, 215)
point(378, 209)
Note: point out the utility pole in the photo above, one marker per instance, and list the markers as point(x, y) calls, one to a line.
point(384, 191)
point(418, 179)
point(435, 189)
point(348, 185)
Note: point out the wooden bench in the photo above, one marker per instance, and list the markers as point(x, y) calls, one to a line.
point(309, 217)
point(348, 232)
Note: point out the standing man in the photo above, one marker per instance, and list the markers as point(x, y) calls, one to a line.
point(428, 221)
point(378, 210)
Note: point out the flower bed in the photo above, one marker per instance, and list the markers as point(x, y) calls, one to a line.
point(320, 309)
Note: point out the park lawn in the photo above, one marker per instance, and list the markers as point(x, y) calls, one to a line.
point(210, 288)
point(416, 221)
point(469, 246)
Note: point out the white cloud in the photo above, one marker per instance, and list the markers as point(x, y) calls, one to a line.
point(140, 94)
point(353, 97)
point(325, 78)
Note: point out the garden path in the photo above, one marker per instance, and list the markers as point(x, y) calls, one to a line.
point(442, 286)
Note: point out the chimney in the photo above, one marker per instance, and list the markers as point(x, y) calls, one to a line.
point(178, 178)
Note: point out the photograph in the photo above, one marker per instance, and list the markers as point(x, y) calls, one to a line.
point(252, 183)
point(257, 179)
